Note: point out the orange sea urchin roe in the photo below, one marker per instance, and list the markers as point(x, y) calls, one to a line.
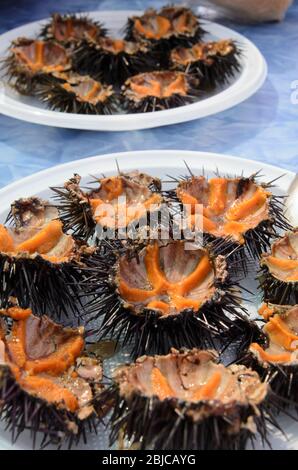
point(282, 331)
point(282, 262)
point(224, 212)
point(41, 367)
point(168, 293)
point(42, 56)
point(42, 242)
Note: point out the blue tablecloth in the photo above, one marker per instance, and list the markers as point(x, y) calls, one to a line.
point(262, 128)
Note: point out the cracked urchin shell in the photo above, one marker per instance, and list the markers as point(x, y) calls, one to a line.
point(81, 210)
point(80, 94)
point(70, 29)
point(159, 90)
point(187, 400)
point(215, 63)
point(167, 294)
point(41, 266)
point(279, 271)
point(48, 385)
point(275, 354)
point(113, 60)
point(240, 210)
point(31, 61)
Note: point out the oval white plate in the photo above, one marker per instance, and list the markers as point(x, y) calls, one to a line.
point(250, 79)
point(159, 163)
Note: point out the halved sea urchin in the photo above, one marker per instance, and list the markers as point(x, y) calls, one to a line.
point(127, 195)
point(275, 356)
point(188, 401)
point(167, 294)
point(240, 210)
point(48, 385)
point(74, 93)
point(40, 265)
point(156, 91)
point(30, 61)
point(213, 62)
point(279, 271)
point(69, 29)
point(169, 27)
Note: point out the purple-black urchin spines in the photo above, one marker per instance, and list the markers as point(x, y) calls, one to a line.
point(114, 69)
point(276, 291)
point(149, 333)
point(222, 70)
point(46, 423)
point(151, 103)
point(168, 430)
point(56, 97)
point(56, 289)
point(74, 212)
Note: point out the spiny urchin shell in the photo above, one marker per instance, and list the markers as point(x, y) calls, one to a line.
point(80, 94)
point(81, 209)
point(47, 384)
point(279, 271)
point(178, 402)
point(239, 210)
point(215, 63)
point(41, 266)
point(31, 61)
point(70, 29)
point(166, 294)
point(156, 91)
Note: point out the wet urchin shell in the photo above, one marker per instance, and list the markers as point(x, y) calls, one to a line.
point(156, 91)
point(48, 385)
point(215, 63)
point(165, 403)
point(40, 266)
point(30, 62)
point(80, 94)
point(78, 206)
point(114, 60)
point(274, 354)
point(69, 29)
point(166, 294)
point(165, 29)
point(238, 210)
point(279, 271)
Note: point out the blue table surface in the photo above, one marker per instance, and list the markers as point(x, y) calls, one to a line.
point(263, 128)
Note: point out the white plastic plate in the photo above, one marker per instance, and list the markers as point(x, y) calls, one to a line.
point(251, 78)
point(159, 163)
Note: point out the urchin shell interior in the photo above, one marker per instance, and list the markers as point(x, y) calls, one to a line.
point(157, 90)
point(39, 56)
point(282, 338)
point(165, 24)
point(183, 398)
point(193, 377)
point(44, 364)
point(279, 276)
point(213, 62)
point(117, 202)
point(74, 93)
point(36, 232)
point(69, 28)
point(168, 278)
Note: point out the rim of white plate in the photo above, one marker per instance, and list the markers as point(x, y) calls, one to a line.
point(151, 159)
point(249, 81)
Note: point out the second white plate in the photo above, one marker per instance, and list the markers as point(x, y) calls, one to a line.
point(251, 78)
